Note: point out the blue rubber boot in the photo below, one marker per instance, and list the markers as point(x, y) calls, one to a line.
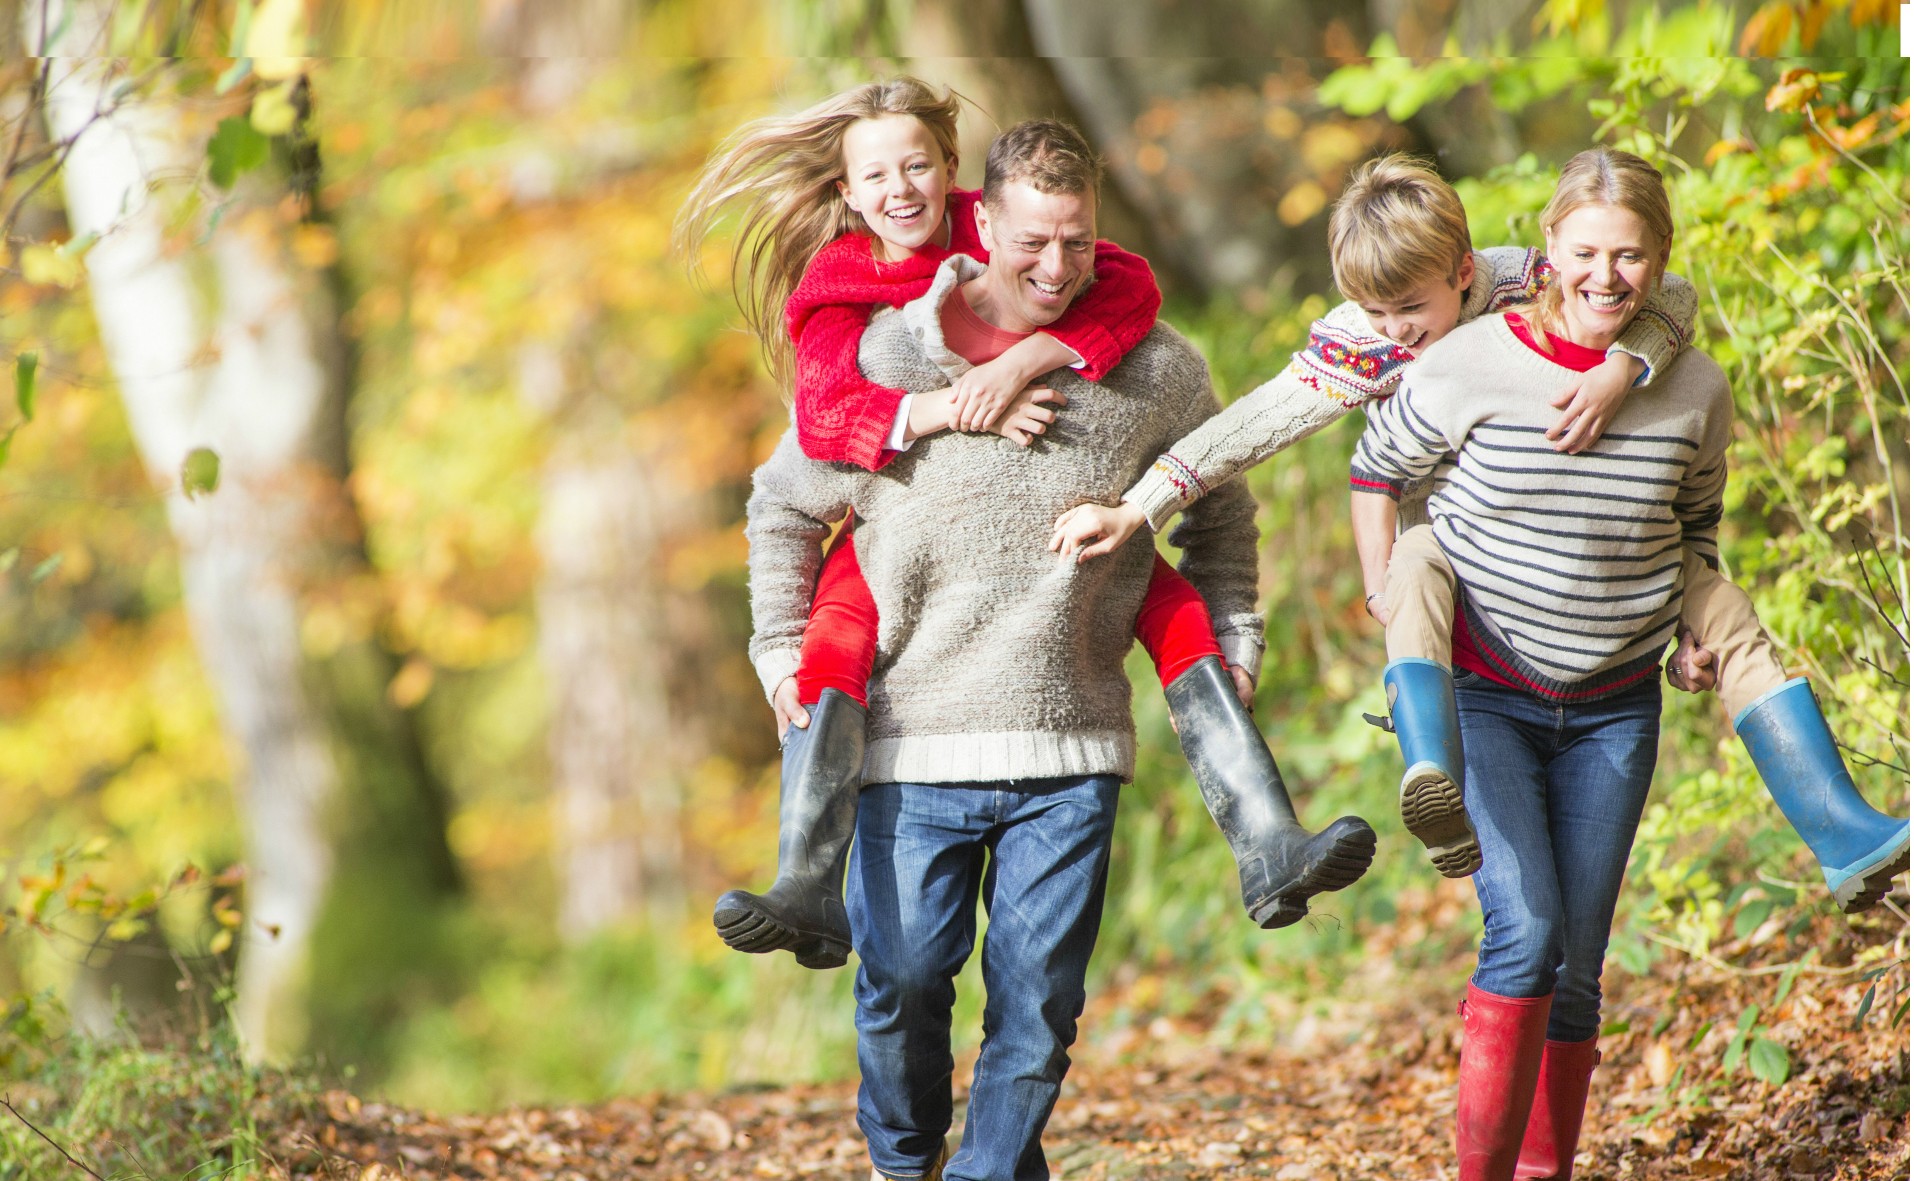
point(1422, 707)
point(1860, 849)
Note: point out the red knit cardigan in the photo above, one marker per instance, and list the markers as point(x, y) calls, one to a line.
point(844, 418)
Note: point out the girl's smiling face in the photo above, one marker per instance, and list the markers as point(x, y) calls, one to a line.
point(897, 179)
point(1606, 262)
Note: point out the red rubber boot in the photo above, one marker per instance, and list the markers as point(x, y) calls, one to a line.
point(1555, 1121)
point(1501, 1058)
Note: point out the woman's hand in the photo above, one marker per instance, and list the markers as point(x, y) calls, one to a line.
point(1092, 530)
point(784, 704)
point(1591, 404)
point(1692, 668)
point(1030, 413)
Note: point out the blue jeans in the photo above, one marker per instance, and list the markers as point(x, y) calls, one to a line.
point(1555, 792)
point(1038, 851)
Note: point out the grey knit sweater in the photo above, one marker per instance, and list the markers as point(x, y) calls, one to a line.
point(996, 660)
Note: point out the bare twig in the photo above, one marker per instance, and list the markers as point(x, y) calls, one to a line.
point(1869, 760)
point(1873, 599)
point(7, 1102)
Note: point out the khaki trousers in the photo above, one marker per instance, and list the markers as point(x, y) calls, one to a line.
point(1419, 591)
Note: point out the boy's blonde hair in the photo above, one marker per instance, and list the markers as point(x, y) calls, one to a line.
point(1603, 176)
point(783, 171)
point(1396, 226)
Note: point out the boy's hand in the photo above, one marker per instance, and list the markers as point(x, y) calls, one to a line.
point(1692, 668)
point(1378, 607)
point(1027, 417)
point(1245, 688)
point(784, 704)
point(1092, 530)
point(1591, 404)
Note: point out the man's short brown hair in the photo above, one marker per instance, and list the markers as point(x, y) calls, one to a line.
point(1396, 226)
point(1048, 155)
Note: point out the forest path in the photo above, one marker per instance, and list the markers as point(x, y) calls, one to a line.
point(1367, 1092)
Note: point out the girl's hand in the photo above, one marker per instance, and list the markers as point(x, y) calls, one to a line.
point(784, 704)
point(1027, 416)
point(1092, 530)
point(1692, 668)
point(1591, 404)
point(985, 392)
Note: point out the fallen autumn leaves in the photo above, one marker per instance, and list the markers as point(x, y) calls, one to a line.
point(1368, 1094)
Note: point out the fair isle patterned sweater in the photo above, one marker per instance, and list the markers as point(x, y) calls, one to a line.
point(1345, 365)
point(996, 659)
point(1569, 565)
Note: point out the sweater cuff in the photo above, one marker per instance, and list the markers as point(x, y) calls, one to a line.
point(1096, 348)
point(1243, 651)
point(1169, 487)
point(774, 666)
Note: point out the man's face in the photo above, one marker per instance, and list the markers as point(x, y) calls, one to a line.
point(1425, 314)
point(1042, 254)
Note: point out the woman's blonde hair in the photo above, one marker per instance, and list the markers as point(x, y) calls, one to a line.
point(1396, 226)
point(1602, 176)
point(784, 170)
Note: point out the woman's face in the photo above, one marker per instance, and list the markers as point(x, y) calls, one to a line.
point(1606, 260)
point(897, 178)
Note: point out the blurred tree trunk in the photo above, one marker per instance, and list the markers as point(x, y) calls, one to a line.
point(613, 638)
point(230, 343)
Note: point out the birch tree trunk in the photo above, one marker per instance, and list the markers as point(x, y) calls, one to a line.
point(234, 347)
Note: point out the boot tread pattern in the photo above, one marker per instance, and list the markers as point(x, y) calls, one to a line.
point(1346, 858)
point(1862, 891)
point(746, 925)
point(1433, 812)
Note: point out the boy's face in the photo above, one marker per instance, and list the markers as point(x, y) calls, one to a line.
point(1424, 314)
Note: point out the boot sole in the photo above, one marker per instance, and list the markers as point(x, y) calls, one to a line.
point(746, 925)
point(1346, 860)
point(1862, 891)
point(1433, 813)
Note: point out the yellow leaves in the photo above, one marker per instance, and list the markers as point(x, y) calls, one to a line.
point(49, 266)
point(410, 684)
point(1329, 146)
point(272, 110)
point(1873, 12)
point(315, 246)
point(1301, 203)
point(276, 39)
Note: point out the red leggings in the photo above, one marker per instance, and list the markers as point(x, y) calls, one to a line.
point(840, 641)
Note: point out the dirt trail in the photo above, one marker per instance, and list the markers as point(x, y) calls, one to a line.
point(1360, 1094)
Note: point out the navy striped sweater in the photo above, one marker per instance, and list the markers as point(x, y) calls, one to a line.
point(1569, 565)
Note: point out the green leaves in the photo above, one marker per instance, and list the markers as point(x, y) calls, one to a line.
point(25, 366)
point(199, 472)
point(235, 149)
point(1766, 1058)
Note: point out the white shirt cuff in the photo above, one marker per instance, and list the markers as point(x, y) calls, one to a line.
point(895, 441)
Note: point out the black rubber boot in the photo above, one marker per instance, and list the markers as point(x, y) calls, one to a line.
point(803, 911)
point(1279, 862)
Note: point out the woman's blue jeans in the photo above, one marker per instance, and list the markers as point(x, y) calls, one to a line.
point(1555, 792)
point(1038, 852)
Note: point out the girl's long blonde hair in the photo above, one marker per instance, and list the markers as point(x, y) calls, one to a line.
point(1602, 176)
point(783, 171)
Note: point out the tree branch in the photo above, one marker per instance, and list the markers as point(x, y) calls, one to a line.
point(7, 1102)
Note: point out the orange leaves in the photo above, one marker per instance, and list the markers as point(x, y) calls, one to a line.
point(1768, 31)
point(1796, 90)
